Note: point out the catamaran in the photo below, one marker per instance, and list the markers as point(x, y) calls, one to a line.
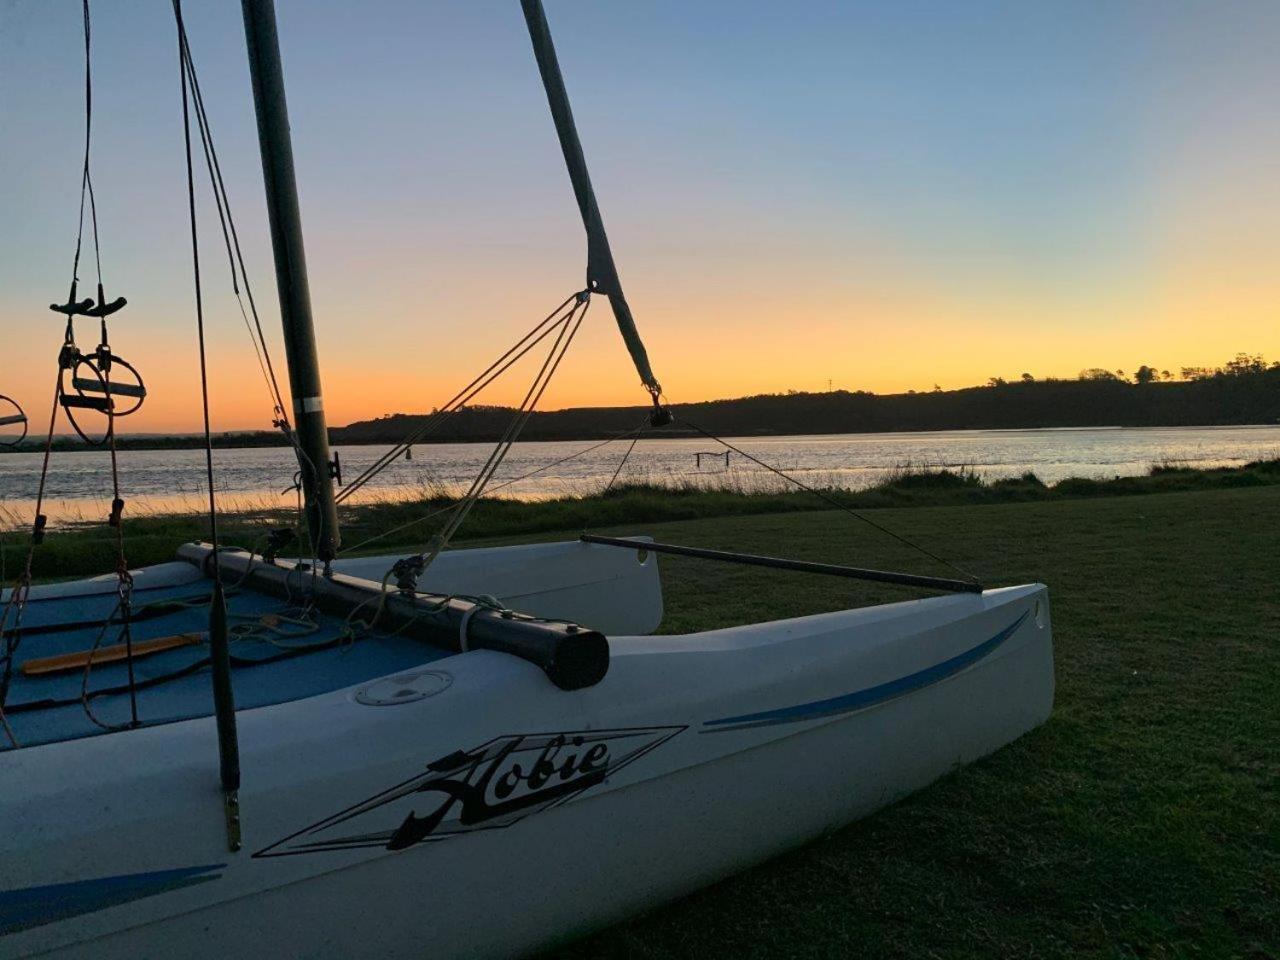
point(456, 753)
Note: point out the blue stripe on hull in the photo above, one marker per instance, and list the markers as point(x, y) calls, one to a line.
point(35, 906)
point(870, 696)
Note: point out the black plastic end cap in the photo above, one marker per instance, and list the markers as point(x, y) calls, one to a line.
point(581, 660)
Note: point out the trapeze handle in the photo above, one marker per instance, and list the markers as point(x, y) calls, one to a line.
point(102, 310)
point(92, 385)
point(72, 308)
point(101, 404)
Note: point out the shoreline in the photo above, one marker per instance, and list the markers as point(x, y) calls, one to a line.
point(84, 548)
point(254, 440)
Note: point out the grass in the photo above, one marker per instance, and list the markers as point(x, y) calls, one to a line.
point(389, 525)
point(1142, 820)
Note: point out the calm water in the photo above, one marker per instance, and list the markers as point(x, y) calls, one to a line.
point(173, 479)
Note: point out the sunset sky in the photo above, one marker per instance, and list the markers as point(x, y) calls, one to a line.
point(883, 195)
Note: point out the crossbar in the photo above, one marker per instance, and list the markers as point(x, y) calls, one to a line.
point(94, 385)
point(804, 566)
point(74, 400)
point(572, 656)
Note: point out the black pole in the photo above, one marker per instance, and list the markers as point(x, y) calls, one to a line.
point(224, 712)
point(602, 272)
point(804, 566)
point(291, 272)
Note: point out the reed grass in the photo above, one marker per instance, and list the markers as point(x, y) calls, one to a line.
point(80, 547)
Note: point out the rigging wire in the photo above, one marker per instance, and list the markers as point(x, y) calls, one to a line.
point(623, 435)
point(625, 457)
point(235, 260)
point(828, 498)
point(17, 602)
point(498, 367)
point(564, 339)
point(124, 579)
point(199, 298)
point(219, 652)
point(566, 326)
point(18, 595)
point(86, 179)
point(231, 238)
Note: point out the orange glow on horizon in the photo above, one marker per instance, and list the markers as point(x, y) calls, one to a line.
point(1081, 188)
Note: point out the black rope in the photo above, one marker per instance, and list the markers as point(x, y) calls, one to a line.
point(230, 236)
point(826, 497)
point(124, 579)
point(86, 181)
point(219, 653)
point(235, 259)
point(199, 297)
point(154, 610)
point(50, 703)
point(241, 286)
point(18, 595)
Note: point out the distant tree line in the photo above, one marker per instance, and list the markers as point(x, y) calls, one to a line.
point(1243, 391)
point(1243, 365)
point(162, 441)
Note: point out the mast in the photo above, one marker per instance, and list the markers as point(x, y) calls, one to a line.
point(602, 272)
point(276, 148)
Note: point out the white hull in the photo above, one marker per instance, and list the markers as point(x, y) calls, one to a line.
point(699, 755)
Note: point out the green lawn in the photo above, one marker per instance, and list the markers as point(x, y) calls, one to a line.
point(1142, 820)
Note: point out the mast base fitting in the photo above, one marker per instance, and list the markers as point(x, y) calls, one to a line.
point(660, 416)
point(407, 570)
point(277, 540)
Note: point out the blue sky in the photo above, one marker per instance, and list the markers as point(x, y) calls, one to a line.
point(886, 195)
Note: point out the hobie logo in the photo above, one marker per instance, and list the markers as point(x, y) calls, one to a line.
point(490, 786)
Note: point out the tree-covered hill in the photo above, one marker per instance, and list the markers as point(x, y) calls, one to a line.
point(1214, 399)
point(1244, 391)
